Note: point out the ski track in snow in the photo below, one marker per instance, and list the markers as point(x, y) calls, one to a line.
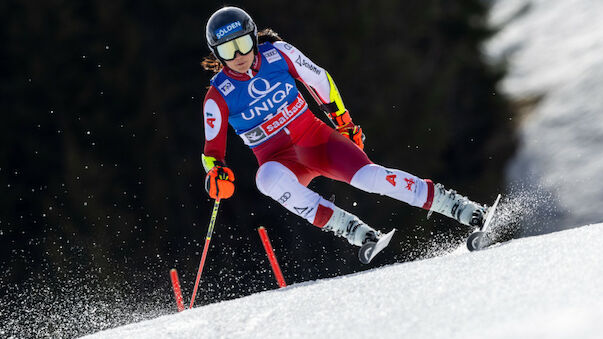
point(548, 286)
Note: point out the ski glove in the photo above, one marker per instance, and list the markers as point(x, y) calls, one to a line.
point(346, 127)
point(219, 182)
point(354, 133)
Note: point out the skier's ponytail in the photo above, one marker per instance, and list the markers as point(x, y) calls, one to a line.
point(269, 35)
point(211, 63)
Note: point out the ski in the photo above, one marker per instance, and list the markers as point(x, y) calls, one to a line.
point(369, 250)
point(482, 238)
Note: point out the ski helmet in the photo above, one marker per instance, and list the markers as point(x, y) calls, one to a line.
point(228, 24)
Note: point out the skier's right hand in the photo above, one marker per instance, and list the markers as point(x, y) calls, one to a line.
point(219, 182)
point(354, 133)
point(347, 128)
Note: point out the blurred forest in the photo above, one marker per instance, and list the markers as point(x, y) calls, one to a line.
point(100, 174)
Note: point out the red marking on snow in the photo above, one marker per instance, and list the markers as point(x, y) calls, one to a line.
point(391, 178)
point(409, 183)
point(210, 122)
point(177, 290)
point(271, 257)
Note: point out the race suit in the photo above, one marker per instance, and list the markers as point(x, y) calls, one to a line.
point(291, 145)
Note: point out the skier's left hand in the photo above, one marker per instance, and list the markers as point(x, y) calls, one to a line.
point(354, 133)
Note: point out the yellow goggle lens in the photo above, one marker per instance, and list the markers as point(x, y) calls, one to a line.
point(243, 44)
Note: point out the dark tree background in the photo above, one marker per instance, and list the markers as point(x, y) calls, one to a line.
point(100, 176)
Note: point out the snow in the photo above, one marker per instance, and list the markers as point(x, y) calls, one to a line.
point(554, 48)
point(547, 286)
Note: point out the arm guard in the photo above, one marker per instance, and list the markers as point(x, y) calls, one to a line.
point(335, 109)
point(318, 82)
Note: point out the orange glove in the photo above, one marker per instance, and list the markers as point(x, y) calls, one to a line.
point(219, 182)
point(346, 127)
point(354, 133)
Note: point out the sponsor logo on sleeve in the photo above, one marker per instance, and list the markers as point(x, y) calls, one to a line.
point(226, 87)
point(272, 55)
point(228, 29)
point(212, 119)
point(307, 64)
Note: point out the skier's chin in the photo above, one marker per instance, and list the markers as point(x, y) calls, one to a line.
point(241, 63)
point(242, 67)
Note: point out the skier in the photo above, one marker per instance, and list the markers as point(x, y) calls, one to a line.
point(254, 90)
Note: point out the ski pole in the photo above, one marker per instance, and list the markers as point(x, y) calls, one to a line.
point(212, 222)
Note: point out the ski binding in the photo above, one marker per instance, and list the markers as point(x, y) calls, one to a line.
point(481, 239)
point(369, 250)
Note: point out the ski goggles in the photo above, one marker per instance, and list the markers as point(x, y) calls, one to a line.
point(243, 44)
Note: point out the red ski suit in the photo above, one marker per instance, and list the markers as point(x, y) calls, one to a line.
point(304, 147)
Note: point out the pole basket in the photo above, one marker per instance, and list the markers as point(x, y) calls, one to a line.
point(271, 257)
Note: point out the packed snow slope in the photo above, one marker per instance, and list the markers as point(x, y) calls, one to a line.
point(554, 51)
point(549, 286)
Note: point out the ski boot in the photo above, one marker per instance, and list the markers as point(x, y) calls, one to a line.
point(458, 207)
point(347, 225)
point(358, 233)
point(484, 237)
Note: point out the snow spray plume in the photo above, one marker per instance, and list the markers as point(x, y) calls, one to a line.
point(523, 211)
point(74, 307)
point(526, 211)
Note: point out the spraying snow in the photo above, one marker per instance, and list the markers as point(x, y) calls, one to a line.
point(546, 286)
point(554, 50)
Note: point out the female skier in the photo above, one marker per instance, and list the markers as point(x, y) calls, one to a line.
point(254, 91)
